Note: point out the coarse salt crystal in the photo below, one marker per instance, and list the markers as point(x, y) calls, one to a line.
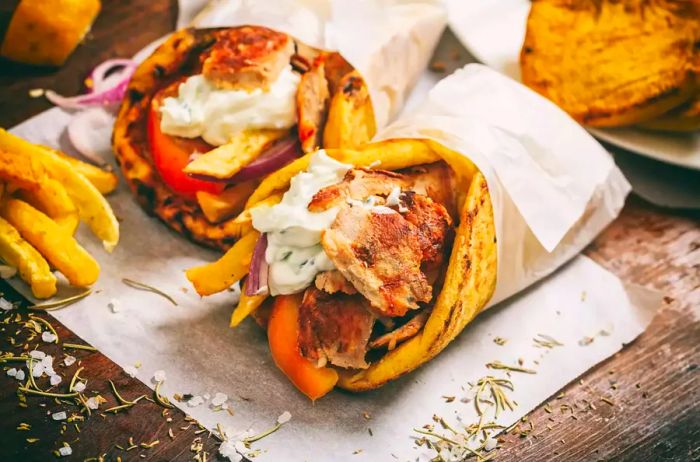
point(6, 305)
point(12, 372)
point(36, 354)
point(206, 396)
point(284, 418)
point(55, 380)
point(159, 376)
point(240, 447)
point(65, 450)
point(114, 305)
point(48, 337)
point(79, 387)
point(195, 401)
point(219, 399)
point(38, 370)
point(69, 360)
point(59, 416)
point(20, 375)
point(92, 403)
point(490, 444)
point(228, 450)
point(131, 371)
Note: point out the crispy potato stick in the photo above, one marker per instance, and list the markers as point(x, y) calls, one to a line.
point(59, 247)
point(227, 204)
point(92, 207)
point(104, 181)
point(350, 121)
point(230, 268)
point(52, 199)
point(23, 172)
point(246, 305)
point(227, 160)
point(469, 283)
point(32, 267)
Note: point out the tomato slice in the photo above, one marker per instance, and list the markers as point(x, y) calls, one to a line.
point(283, 334)
point(172, 153)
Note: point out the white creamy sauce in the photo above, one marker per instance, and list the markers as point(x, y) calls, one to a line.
point(294, 253)
point(215, 114)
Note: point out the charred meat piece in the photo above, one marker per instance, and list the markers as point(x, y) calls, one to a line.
point(432, 221)
point(246, 58)
point(400, 334)
point(312, 98)
point(380, 254)
point(334, 329)
point(358, 184)
point(437, 181)
point(334, 281)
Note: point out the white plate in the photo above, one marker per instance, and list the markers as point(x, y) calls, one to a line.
point(493, 31)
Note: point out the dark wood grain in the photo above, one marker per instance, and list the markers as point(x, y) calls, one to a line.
point(653, 383)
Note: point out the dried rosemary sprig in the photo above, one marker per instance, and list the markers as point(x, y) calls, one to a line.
point(59, 304)
point(141, 286)
point(506, 367)
point(546, 341)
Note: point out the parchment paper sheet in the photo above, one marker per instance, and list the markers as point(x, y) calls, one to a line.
point(200, 354)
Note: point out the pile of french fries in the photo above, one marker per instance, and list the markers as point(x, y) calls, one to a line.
point(44, 194)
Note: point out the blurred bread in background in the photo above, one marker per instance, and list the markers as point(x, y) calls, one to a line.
point(45, 32)
point(611, 63)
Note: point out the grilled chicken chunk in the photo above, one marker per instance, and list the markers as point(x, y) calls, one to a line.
point(334, 281)
point(246, 58)
point(358, 184)
point(435, 181)
point(334, 329)
point(380, 254)
point(432, 221)
point(312, 98)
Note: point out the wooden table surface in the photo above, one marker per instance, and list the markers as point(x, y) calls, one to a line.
point(652, 384)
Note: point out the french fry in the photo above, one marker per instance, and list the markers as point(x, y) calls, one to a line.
point(32, 267)
point(231, 267)
point(52, 199)
point(92, 207)
point(218, 208)
point(59, 247)
point(24, 172)
point(227, 160)
point(350, 121)
point(246, 305)
point(104, 181)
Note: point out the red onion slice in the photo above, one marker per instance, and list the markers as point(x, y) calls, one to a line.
point(106, 89)
point(257, 275)
point(277, 156)
point(99, 77)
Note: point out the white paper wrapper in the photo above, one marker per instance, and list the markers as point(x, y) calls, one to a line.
point(388, 41)
point(553, 187)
